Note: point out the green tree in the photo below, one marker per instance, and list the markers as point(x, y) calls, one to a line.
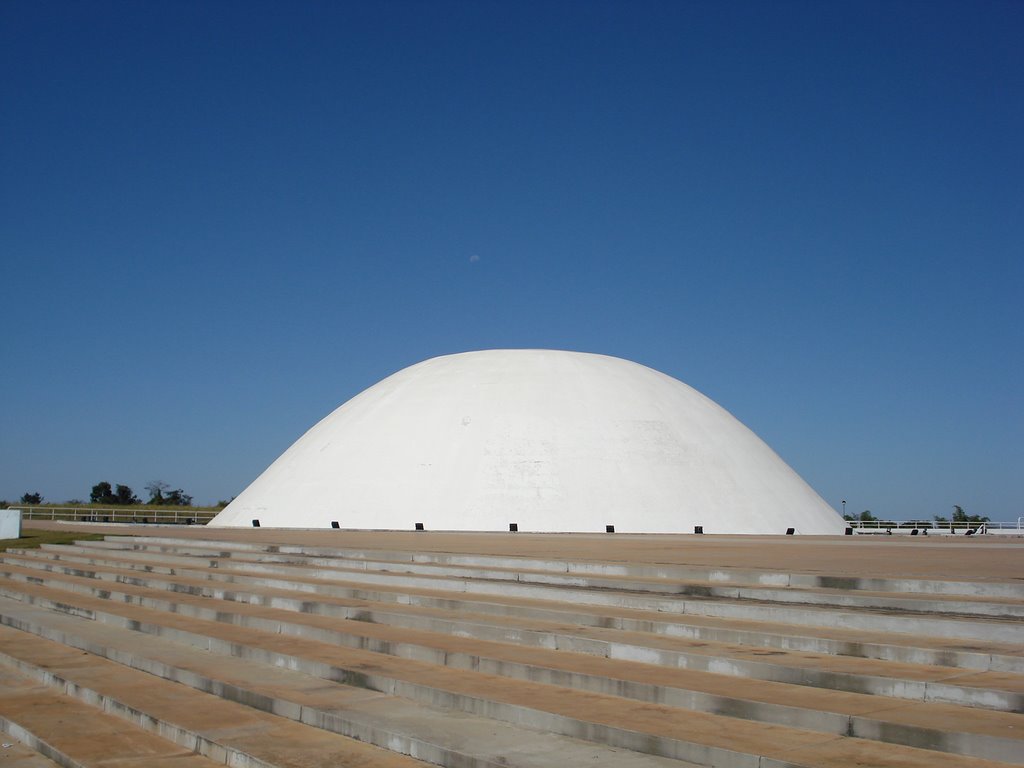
point(960, 516)
point(156, 490)
point(102, 493)
point(864, 517)
point(178, 498)
point(125, 495)
point(32, 498)
point(160, 495)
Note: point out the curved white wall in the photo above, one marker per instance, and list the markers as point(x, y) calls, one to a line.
point(552, 441)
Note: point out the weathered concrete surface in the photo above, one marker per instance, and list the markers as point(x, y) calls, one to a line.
point(956, 558)
point(69, 732)
point(532, 622)
point(919, 595)
point(227, 670)
point(173, 722)
point(823, 711)
point(460, 653)
point(14, 754)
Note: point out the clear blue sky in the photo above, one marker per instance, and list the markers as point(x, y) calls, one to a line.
point(221, 220)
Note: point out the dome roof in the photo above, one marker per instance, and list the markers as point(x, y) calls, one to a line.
point(548, 440)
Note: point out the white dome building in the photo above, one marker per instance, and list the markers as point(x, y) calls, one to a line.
point(537, 439)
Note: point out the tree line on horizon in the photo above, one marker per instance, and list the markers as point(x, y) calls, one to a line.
point(959, 516)
point(160, 495)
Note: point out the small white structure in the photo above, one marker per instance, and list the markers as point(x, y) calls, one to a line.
point(10, 523)
point(534, 440)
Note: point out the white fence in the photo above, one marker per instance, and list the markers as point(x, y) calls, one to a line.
point(164, 516)
point(177, 516)
point(926, 527)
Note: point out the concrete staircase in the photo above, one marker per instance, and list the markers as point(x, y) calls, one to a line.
point(252, 654)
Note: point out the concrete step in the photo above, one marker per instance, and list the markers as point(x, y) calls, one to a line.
point(663, 571)
point(636, 656)
point(650, 728)
point(292, 694)
point(262, 716)
point(768, 702)
point(829, 712)
point(664, 581)
point(916, 682)
point(896, 620)
point(988, 689)
point(843, 640)
point(52, 729)
point(366, 621)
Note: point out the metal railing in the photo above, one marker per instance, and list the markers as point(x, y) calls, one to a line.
point(938, 527)
point(164, 516)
